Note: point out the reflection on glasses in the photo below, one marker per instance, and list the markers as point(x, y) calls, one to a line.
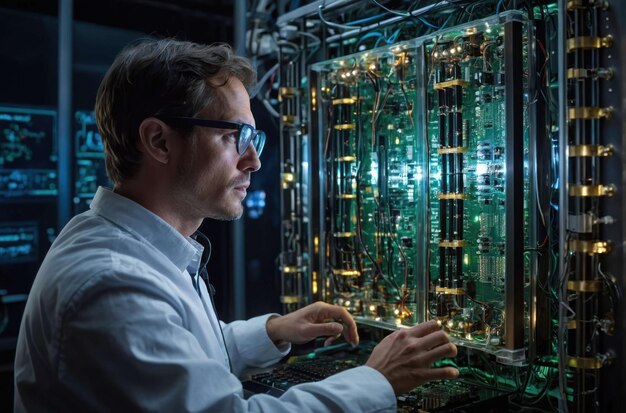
point(247, 134)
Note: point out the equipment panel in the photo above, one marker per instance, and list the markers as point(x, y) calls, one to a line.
point(417, 145)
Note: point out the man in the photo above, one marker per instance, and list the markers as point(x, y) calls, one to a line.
point(118, 319)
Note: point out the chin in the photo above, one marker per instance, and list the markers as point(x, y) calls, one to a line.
point(228, 215)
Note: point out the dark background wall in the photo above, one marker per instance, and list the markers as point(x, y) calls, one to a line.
point(29, 82)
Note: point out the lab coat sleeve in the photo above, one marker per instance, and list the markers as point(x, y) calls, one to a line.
point(249, 345)
point(361, 389)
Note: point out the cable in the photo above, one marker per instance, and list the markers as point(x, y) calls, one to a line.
point(262, 81)
point(397, 13)
point(331, 24)
point(366, 36)
point(269, 108)
point(366, 20)
point(392, 20)
point(204, 275)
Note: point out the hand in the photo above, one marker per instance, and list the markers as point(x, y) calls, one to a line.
point(404, 357)
point(314, 320)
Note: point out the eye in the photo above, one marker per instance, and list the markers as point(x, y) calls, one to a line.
point(231, 136)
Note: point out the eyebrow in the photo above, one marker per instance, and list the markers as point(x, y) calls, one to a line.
point(239, 120)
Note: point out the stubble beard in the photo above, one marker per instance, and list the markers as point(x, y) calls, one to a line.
point(221, 207)
point(213, 206)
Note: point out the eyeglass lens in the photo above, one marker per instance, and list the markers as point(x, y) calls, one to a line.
point(247, 135)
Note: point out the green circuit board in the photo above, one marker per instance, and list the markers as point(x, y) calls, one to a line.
point(467, 125)
point(371, 165)
point(415, 155)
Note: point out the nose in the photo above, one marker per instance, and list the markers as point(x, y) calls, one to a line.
point(250, 161)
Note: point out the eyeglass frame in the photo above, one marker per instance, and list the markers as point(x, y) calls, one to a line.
point(221, 124)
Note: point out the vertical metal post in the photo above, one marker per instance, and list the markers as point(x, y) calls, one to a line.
point(563, 202)
point(64, 125)
point(540, 328)
point(422, 229)
point(620, 264)
point(238, 253)
point(514, 291)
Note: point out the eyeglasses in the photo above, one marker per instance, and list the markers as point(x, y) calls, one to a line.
point(247, 134)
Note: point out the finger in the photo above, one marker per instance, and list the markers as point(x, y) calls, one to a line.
point(330, 340)
point(350, 332)
point(425, 328)
point(440, 373)
point(443, 351)
point(324, 329)
point(434, 339)
point(326, 311)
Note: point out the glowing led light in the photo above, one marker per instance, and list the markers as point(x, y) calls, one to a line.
point(419, 174)
point(372, 66)
point(450, 323)
point(347, 303)
point(372, 308)
point(482, 169)
point(396, 311)
point(374, 169)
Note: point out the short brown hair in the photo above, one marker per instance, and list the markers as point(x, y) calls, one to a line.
point(159, 77)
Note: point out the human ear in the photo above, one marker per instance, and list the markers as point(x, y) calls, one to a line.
point(154, 137)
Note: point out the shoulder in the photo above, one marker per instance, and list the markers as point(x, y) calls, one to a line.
point(91, 257)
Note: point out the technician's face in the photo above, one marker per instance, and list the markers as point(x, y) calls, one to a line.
point(214, 178)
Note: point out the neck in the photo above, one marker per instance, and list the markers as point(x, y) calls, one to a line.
point(160, 203)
